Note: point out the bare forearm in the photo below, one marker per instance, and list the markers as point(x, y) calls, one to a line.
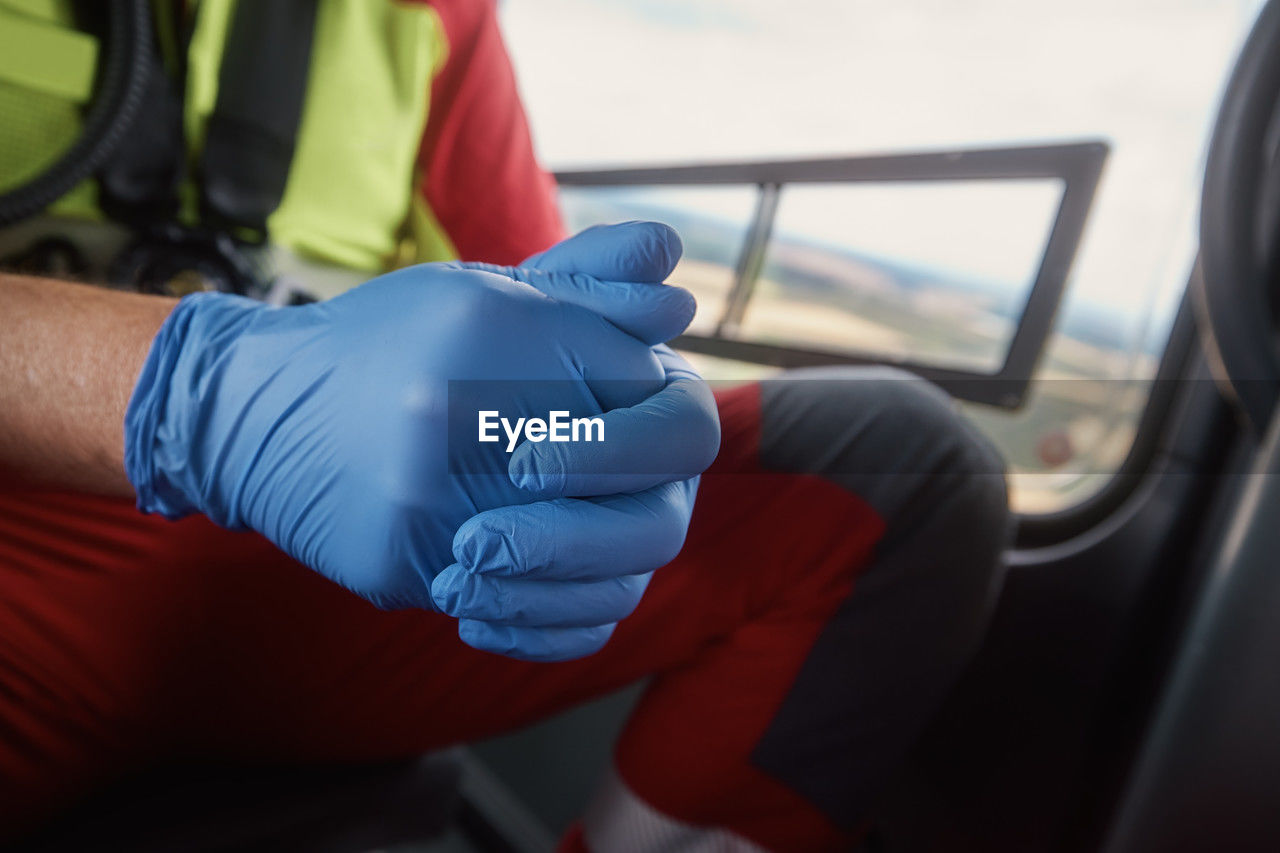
point(69, 357)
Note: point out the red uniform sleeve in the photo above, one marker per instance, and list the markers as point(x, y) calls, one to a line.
point(480, 176)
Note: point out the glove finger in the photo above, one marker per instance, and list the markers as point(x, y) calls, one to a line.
point(633, 251)
point(534, 644)
point(618, 370)
point(627, 251)
point(652, 313)
point(673, 435)
point(575, 540)
point(536, 603)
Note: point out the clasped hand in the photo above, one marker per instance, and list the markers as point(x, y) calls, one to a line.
point(327, 428)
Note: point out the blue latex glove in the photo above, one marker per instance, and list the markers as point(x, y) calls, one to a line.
point(326, 427)
point(518, 566)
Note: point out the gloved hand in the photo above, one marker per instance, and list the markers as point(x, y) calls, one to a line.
point(326, 427)
point(549, 580)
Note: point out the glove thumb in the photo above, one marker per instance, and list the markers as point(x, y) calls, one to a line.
point(628, 251)
point(614, 271)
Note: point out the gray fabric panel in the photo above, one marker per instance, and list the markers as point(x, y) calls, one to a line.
point(883, 663)
point(883, 434)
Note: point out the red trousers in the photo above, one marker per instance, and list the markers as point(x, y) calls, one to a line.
point(782, 692)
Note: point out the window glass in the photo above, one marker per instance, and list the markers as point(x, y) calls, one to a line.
point(645, 82)
point(923, 272)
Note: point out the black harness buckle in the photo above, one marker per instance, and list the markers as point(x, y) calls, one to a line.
point(175, 260)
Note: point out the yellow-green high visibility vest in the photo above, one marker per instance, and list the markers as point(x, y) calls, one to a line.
point(351, 197)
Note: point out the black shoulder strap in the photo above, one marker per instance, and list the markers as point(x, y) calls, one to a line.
point(251, 134)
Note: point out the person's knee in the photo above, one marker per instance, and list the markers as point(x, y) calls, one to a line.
point(901, 445)
point(895, 440)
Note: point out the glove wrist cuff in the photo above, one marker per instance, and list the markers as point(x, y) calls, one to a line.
point(165, 409)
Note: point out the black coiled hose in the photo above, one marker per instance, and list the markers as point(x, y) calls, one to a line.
point(120, 82)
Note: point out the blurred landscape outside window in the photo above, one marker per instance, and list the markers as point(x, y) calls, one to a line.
point(934, 273)
point(903, 270)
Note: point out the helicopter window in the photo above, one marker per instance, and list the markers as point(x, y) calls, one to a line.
point(935, 273)
point(681, 82)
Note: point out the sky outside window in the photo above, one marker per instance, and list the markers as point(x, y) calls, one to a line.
point(675, 81)
point(640, 82)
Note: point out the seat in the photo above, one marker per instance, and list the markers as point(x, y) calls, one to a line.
point(330, 808)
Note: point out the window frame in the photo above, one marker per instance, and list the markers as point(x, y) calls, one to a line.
point(1078, 165)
